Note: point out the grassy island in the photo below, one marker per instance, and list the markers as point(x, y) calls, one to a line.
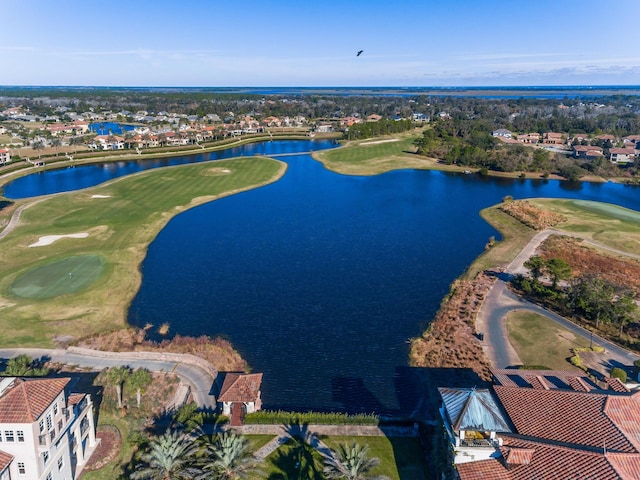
point(88, 245)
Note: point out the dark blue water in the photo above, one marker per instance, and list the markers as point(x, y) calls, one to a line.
point(320, 279)
point(107, 128)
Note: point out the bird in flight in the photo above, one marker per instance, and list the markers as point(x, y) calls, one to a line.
point(359, 53)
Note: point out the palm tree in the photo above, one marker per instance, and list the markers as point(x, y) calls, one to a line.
point(117, 376)
point(350, 462)
point(171, 456)
point(140, 379)
point(229, 457)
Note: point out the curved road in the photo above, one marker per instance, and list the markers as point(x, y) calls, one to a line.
point(500, 301)
point(200, 381)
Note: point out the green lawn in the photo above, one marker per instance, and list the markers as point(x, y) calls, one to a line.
point(113, 469)
point(400, 458)
point(540, 341)
point(121, 217)
point(611, 225)
point(375, 155)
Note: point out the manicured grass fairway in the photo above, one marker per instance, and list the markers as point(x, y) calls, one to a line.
point(121, 223)
point(612, 225)
point(540, 341)
point(58, 278)
point(375, 155)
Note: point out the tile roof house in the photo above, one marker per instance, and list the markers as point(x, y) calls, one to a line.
point(588, 152)
point(45, 433)
point(239, 395)
point(561, 425)
point(622, 155)
point(5, 156)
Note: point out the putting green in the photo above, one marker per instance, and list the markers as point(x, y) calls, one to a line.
point(58, 278)
point(609, 210)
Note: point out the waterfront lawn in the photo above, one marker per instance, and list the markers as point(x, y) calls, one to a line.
point(540, 341)
point(611, 225)
point(122, 217)
point(375, 155)
point(400, 458)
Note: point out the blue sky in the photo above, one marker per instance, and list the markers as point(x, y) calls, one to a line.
point(314, 43)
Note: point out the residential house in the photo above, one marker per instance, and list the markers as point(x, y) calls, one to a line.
point(502, 132)
point(553, 138)
point(632, 141)
point(46, 433)
point(5, 157)
point(587, 152)
point(239, 395)
point(107, 142)
point(622, 155)
point(531, 138)
point(544, 424)
point(374, 117)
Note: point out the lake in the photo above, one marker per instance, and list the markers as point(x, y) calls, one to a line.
point(320, 279)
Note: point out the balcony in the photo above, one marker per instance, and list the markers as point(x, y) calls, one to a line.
point(482, 443)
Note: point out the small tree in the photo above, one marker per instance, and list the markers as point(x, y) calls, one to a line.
point(619, 373)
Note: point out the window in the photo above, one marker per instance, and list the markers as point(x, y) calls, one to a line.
point(49, 476)
point(55, 408)
point(21, 469)
point(41, 424)
point(49, 422)
point(60, 463)
point(8, 435)
point(45, 457)
point(20, 434)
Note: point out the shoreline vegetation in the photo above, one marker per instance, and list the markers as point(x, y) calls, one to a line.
point(449, 340)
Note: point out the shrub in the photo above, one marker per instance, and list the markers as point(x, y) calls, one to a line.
point(576, 361)
point(617, 372)
point(637, 364)
point(288, 418)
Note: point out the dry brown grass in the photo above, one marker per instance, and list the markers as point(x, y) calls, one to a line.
point(217, 351)
point(622, 272)
point(450, 340)
point(530, 215)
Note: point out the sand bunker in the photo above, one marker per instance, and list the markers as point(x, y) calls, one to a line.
point(100, 196)
point(381, 141)
point(49, 239)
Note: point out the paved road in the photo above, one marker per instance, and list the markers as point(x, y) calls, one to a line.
point(500, 301)
point(198, 379)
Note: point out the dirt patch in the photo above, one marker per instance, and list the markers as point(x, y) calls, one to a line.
point(108, 448)
point(216, 171)
point(450, 340)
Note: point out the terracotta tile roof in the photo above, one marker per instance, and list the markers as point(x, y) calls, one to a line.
point(544, 461)
point(75, 398)
point(238, 387)
point(563, 416)
point(624, 411)
point(616, 385)
point(627, 466)
point(5, 460)
point(553, 379)
point(27, 399)
point(518, 456)
point(483, 470)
